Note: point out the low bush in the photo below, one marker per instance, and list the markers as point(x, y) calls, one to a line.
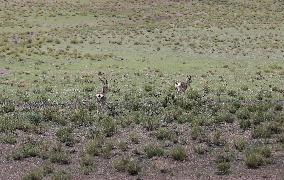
point(152, 150)
point(179, 153)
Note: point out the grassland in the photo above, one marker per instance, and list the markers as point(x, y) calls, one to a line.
point(228, 125)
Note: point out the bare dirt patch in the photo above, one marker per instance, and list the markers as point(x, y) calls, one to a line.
point(4, 72)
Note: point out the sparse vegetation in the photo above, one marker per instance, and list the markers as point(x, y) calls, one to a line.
point(54, 53)
point(179, 153)
point(152, 150)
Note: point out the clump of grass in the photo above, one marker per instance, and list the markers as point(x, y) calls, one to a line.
point(224, 117)
point(121, 164)
point(34, 175)
point(52, 115)
point(61, 175)
point(122, 145)
point(165, 134)
point(150, 123)
point(124, 164)
point(87, 164)
point(134, 138)
point(8, 107)
point(198, 133)
point(26, 151)
point(59, 156)
point(65, 135)
point(217, 139)
point(240, 144)
point(254, 160)
point(224, 157)
point(108, 126)
point(81, 117)
point(152, 150)
point(262, 131)
point(257, 156)
point(243, 113)
point(133, 167)
point(179, 153)
point(106, 149)
point(223, 168)
point(8, 139)
point(35, 118)
point(148, 88)
point(39, 173)
point(89, 88)
point(11, 123)
point(245, 124)
point(200, 148)
point(232, 93)
point(94, 147)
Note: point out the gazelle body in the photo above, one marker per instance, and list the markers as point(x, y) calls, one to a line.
point(182, 86)
point(101, 97)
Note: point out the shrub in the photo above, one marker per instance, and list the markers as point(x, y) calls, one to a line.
point(65, 135)
point(218, 140)
point(254, 160)
point(224, 157)
point(8, 139)
point(151, 123)
point(223, 168)
point(178, 153)
point(134, 138)
point(201, 148)
point(232, 93)
point(122, 145)
point(262, 131)
point(81, 117)
point(94, 147)
point(240, 144)
point(61, 175)
point(8, 107)
point(26, 151)
point(193, 94)
point(106, 150)
point(171, 115)
point(278, 107)
point(89, 88)
point(148, 88)
point(87, 164)
point(108, 126)
point(57, 155)
point(34, 175)
point(224, 117)
point(165, 134)
point(52, 115)
point(121, 164)
point(198, 133)
point(35, 118)
point(245, 124)
point(243, 113)
point(184, 118)
point(131, 166)
point(257, 156)
point(152, 150)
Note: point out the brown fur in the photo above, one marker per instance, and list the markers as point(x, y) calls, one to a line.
point(101, 96)
point(182, 86)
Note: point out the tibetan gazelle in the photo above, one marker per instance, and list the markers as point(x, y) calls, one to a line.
point(182, 86)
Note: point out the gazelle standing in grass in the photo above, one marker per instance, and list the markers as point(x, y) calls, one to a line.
point(182, 86)
point(101, 96)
